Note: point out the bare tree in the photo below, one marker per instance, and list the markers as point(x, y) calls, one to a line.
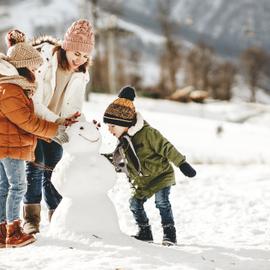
point(253, 60)
point(199, 63)
point(135, 78)
point(121, 67)
point(96, 70)
point(221, 80)
point(104, 77)
point(170, 60)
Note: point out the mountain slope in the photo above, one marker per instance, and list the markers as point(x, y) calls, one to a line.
point(228, 26)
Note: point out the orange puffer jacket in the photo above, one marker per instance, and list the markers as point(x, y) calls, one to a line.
point(19, 126)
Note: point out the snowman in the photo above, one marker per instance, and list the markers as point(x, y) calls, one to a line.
point(83, 177)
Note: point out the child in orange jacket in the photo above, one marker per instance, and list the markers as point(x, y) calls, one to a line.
point(19, 128)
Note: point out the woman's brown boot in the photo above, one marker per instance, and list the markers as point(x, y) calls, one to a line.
point(31, 216)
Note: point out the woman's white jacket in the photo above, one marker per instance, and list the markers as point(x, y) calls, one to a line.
point(46, 79)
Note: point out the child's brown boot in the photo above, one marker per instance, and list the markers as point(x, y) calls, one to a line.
point(16, 237)
point(3, 234)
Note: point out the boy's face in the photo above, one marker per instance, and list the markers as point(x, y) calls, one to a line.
point(117, 131)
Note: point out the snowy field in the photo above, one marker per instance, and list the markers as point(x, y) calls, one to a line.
point(221, 215)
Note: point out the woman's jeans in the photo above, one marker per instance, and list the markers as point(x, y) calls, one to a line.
point(12, 188)
point(162, 203)
point(38, 175)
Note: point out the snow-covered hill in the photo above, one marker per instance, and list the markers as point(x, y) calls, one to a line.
point(221, 215)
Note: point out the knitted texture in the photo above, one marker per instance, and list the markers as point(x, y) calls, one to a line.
point(121, 112)
point(24, 55)
point(79, 37)
point(14, 36)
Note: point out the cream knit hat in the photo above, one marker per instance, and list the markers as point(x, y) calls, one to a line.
point(23, 54)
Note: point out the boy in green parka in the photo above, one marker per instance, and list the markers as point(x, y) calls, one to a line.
point(145, 156)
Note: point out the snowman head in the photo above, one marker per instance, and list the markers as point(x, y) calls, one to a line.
point(84, 137)
point(87, 171)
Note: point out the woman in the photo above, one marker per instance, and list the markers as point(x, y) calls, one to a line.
point(62, 82)
point(19, 127)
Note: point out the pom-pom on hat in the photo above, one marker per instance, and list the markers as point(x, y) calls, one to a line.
point(79, 37)
point(122, 111)
point(21, 54)
point(14, 36)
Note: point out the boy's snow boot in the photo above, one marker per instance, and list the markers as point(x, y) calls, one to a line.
point(144, 233)
point(50, 213)
point(3, 234)
point(31, 215)
point(16, 237)
point(169, 235)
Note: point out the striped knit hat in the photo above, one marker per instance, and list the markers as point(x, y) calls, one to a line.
point(122, 111)
point(79, 37)
point(23, 54)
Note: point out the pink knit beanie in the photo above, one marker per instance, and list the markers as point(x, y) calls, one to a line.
point(79, 37)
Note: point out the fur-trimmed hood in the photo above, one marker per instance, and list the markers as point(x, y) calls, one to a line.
point(38, 41)
point(138, 126)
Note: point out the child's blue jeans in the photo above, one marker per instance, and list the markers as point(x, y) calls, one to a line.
point(162, 203)
point(12, 188)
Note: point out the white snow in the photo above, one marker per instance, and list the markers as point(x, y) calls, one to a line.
point(221, 215)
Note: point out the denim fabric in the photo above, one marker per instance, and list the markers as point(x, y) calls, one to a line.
point(162, 203)
point(39, 178)
point(12, 188)
point(164, 206)
point(137, 209)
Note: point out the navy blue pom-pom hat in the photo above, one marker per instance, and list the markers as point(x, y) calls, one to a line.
point(121, 112)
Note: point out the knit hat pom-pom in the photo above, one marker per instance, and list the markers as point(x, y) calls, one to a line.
point(127, 92)
point(15, 36)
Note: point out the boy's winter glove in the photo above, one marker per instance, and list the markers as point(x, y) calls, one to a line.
point(187, 170)
point(61, 135)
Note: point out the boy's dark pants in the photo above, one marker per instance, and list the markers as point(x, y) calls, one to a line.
point(162, 203)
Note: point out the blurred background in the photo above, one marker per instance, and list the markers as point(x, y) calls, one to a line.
point(182, 50)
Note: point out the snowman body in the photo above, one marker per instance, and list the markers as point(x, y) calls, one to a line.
point(83, 177)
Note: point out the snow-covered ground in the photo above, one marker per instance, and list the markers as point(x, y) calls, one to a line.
point(221, 215)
